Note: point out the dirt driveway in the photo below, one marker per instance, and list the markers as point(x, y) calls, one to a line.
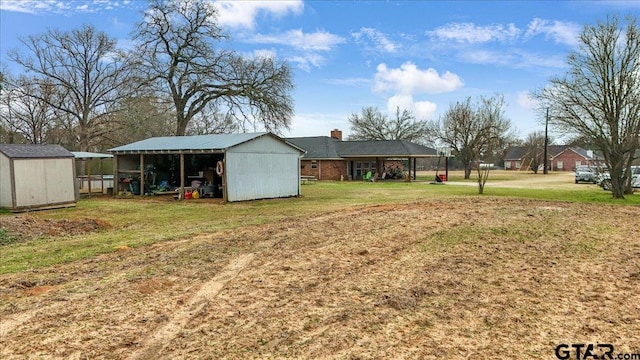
point(510, 179)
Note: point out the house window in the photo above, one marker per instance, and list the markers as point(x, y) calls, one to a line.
point(314, 164)
point(559, 165)
point(578, 163)
point(507, 164)
point(359, 172)
point(517, 164)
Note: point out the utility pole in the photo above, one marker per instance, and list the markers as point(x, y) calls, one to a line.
point(546, 143)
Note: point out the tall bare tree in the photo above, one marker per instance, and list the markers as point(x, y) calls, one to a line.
point(87, 72)
point(24, 113)
point(212, 121)
point(599, 97)
point(473, 131)
point(371, 124)
point(139, 117)
point(177, 41)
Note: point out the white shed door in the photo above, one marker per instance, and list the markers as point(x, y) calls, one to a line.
point(44, 181)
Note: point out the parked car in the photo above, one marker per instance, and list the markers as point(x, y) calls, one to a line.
point(604, 179)
point(586, 174)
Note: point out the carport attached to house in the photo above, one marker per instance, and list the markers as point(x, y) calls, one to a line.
point(255, 165)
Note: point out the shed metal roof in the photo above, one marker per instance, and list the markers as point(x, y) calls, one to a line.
point(90, 155)
point(196, 143)
point(34, 151)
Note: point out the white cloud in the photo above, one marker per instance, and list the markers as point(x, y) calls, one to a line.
point(309, 44)
point(420, 109)
point(264, 54)
point(526, 101)
point(306, 61)
point(316, 41)
point(561, 32)
point(318, 124)
point(471, 33)
point(381, 42)
point(513, 58)
point(242, 14)
point(60, 7)
point(424, 109)
point(408, 80)
point(350, 81)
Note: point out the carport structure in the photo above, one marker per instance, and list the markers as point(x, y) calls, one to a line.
point(234, 167)
point(85, 176)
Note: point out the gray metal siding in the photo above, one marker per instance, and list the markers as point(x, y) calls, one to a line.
point(262, 168)
point(260, 176)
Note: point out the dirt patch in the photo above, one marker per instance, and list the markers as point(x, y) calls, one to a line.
point(479, 278)
point(26, 227)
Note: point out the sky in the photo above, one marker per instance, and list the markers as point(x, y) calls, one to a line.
point(347, 55)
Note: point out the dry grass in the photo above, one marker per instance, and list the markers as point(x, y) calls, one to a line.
point(444, 278)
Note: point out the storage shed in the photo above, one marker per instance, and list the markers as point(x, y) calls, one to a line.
point(36, 177)
point(234, 167)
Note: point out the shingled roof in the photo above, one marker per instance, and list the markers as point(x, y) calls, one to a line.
point(317, 147)
point(327, 148)
point(34, 151)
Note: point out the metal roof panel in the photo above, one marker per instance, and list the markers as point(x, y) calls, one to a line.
point(213, 142)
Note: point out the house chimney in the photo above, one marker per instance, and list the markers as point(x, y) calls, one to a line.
point(336, 134)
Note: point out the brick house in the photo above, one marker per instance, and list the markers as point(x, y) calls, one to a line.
point(331, 158)
point(561, 158)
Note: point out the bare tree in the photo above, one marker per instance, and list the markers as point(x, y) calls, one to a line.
point(373, 125)
point(23, 112)
point(139, 117)
point(212, 121)
point(599, 97)
point(534, 150)
point(473, 131)
point(87, 73)
point(177, 51)
point(483, 175)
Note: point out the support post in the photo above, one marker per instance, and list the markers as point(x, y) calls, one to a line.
point(415, 160)
point(87, 165)
point(446, 167)
point(181, 197)
point(546, 143)
point(142, 174)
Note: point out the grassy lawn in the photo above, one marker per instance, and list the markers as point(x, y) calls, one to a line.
point(144, 221)
point(348, 270)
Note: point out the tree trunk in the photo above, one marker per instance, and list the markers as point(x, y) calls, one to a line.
point(617, 188)
point(467, 172)
point(181, 128)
